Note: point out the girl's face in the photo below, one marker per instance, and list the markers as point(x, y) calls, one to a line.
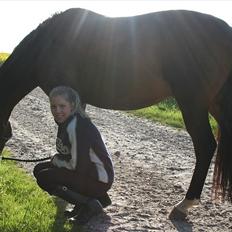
point(61, 109)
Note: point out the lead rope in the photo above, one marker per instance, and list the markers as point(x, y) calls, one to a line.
point(24, 160)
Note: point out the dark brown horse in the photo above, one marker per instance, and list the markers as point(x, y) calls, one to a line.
point(132, 62)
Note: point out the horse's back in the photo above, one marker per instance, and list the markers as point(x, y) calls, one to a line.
point(129, 62)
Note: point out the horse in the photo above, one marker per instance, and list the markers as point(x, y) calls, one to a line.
point(126, 63)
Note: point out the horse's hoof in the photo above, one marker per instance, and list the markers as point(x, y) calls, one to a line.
point(177, 214)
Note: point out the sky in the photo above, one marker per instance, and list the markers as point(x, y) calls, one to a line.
point(18, 18)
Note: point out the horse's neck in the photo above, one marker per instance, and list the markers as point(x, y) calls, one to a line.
point(15, 84)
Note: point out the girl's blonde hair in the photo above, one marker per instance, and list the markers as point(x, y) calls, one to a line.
point(71, 96)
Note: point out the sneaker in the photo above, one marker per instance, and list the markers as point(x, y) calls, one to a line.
point(73, 212)
point(92, 208)
point(105, 200)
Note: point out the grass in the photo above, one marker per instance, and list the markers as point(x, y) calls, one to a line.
point(168, 113)
point(163, 113)
point(24, 207)
point(3, 57)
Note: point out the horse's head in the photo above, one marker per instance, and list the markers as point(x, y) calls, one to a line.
point(5, 134)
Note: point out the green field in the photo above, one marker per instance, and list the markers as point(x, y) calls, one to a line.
point(3, 57)
point(24, 207)
point(167, 113)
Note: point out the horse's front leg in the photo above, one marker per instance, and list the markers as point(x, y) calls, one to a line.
point(5, 135)
point(197, 125)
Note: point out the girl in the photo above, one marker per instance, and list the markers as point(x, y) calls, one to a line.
point(82, 164)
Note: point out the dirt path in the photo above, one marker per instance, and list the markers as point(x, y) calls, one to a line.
point(153, 167)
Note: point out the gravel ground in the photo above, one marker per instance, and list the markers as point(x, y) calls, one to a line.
point(153, 167)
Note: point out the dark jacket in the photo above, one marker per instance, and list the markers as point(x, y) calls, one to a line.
point(81, 148)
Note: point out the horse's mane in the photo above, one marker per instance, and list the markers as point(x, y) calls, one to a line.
point(49, 24)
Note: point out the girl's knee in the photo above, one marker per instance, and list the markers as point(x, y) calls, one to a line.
point(41, 166)
point(36, 170)
point(45, 182)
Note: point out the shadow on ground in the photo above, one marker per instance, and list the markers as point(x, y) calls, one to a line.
point(99, 223)
point(182, 225)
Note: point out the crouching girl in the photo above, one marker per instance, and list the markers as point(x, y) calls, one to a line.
point(81, 172)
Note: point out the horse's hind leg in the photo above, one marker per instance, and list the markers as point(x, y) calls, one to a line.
point(197, 124)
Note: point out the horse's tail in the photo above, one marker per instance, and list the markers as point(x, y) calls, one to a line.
point(222, 181)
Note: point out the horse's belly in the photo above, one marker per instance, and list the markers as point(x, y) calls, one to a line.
point(133, 96)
